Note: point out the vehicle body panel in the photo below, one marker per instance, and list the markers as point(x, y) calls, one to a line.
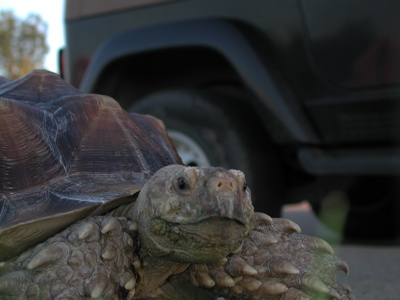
point(325, 74)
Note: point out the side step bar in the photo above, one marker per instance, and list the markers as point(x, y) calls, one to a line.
point(350, 161)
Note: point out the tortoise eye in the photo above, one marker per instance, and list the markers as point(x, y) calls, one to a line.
point(244, 186)
point(181, 183)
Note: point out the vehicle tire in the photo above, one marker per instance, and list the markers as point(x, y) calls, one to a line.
point(214, 129)
point(372, 210)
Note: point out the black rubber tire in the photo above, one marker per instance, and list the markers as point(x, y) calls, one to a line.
point(229, 135)
point(372, 213)
point(374, 208)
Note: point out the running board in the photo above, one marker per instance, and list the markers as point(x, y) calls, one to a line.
point(351, 161)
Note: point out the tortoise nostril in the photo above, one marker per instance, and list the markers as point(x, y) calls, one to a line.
point(225, 184)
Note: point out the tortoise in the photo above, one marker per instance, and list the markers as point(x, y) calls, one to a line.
point(96, 203)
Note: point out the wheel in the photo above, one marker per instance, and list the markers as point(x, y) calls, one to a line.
point(189, 150)
point(373, 208)
point(369, 209)
point(214, 129)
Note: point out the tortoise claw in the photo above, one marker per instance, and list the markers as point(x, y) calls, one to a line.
point(97, 283)
point(281, 266)
point(342, 265)
point(87, 230)
point(109, 224)
point(285, 225)
point(48, 255)
point(272, 288)
point(313, 282)
point(238, 267)
point(262, 218)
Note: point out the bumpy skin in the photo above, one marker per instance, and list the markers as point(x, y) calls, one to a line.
point(98, 258)
point(90, 259)
point(275, 262)
point(171, 244)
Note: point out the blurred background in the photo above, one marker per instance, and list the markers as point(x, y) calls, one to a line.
point(51, 21)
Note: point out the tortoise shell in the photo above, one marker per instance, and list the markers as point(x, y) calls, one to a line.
point(66, 155)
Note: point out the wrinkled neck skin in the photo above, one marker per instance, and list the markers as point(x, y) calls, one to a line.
point(155, 267)
point(154, 270)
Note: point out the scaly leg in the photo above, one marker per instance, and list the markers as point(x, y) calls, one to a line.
point(275, 262)
point(90, 259)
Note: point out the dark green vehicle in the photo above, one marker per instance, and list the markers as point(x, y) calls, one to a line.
point(303, 96)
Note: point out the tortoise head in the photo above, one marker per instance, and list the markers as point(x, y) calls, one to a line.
point(191, 214)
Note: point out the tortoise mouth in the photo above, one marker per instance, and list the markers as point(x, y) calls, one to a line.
point(213, 230)
point(209, 239)
point(204, 241)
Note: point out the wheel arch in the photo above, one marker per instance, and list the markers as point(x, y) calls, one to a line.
point(216, 40)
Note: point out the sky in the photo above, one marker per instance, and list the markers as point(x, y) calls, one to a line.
point(52, 12)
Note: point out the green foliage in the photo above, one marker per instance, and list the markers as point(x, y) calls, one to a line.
point(22, 44)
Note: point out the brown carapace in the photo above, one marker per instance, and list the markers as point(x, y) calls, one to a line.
point(65, 155)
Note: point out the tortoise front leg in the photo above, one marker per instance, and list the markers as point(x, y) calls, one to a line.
point(90, 259)
point(275, 262)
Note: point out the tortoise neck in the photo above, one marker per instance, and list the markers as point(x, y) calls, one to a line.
point(154, 272)
point(125, 210)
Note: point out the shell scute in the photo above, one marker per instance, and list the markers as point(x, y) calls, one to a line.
point(39, 87)
point(27, 158)
point(66, 155)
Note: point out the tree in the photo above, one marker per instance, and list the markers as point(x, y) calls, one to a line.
point(22, 44)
